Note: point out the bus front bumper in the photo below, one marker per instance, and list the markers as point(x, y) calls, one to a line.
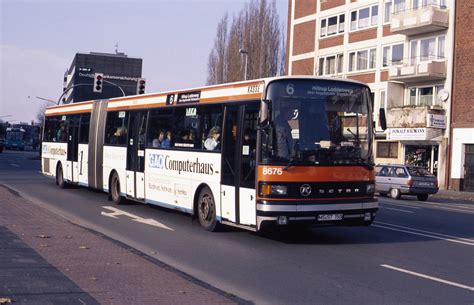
point(317, 213)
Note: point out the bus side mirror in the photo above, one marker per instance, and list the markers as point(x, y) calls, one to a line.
point(382, 119)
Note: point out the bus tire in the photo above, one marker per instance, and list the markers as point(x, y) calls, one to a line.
point(114, 190)
point(60, 176)
point(206, 207)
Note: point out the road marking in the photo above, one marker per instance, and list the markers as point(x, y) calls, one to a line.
point(149, 221)
point(434, 235)
point(403, 205)
point(453, 208)
point(429, 277)
point(399, 210)
point(16, 165)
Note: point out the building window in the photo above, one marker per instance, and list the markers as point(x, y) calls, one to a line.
point(393, 7)
point(424, 96)
point(331, 65)
point(362, 60)
point(332, 25)
point(387, 150)
point(365, 17)
point(424, 3)
point(427, 49)
point(392, 55)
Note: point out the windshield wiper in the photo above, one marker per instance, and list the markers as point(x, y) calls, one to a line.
point(292, 162)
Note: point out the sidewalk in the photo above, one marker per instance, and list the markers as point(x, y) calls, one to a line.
point(44, 259)
point(466, 197)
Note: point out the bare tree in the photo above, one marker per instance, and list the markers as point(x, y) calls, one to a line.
point(255, 29)
point(217, 63)
point(40, 113)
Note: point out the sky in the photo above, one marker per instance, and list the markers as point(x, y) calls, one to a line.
point(39, 38)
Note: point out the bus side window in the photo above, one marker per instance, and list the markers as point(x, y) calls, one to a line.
point(116, 128)
point(160, 123)
point(50, 129)
point(210, 117)
point(84, 128)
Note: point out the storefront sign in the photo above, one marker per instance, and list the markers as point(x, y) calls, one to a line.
point(414, 134)
point(436, 121)
point(407, 134)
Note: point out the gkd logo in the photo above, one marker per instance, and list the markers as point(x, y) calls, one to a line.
point(157, 161)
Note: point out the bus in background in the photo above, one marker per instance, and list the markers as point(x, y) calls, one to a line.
point(278, 151)
point(15, 138)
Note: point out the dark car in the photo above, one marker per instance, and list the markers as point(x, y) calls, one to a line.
point(2, 144)
point(399, 179)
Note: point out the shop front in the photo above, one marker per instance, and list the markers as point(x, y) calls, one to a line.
point(419, 146)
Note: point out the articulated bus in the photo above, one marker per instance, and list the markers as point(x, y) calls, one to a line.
point(284, 150)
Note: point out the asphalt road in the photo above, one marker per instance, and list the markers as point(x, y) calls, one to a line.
point(414, 253)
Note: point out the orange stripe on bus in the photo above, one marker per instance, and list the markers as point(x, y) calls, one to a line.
point(69, 112)
point(243, 97)
point(70, 105)
point(128, 107)
point(314, 174)
point(205, 89)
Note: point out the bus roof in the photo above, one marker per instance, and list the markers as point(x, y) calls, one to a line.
point(237, 91)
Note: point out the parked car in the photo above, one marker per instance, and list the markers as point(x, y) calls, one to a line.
point(399, 179)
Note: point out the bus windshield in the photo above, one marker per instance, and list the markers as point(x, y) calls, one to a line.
point(318, 122)
point(15, 134)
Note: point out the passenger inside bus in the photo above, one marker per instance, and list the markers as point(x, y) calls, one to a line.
point(119, 136)
point(61, 134)
point(212, 141)
point(157, 142)
point(167, 141)
point(283, 133)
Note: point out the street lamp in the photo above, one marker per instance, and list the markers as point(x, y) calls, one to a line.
point(45, 99)
point(245, 53)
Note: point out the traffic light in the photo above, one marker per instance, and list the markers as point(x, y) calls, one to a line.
point(98, 82)
point(141, 86)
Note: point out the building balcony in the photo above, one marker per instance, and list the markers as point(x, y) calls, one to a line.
point(420, 20)
point(416, 117)
point(412, 71)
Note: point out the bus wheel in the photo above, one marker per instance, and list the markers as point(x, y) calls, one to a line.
point(114, 193)
point(207, 210)
point(60, 177)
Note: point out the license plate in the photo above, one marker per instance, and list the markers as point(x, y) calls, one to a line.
point(426, 184)
point(329, 217)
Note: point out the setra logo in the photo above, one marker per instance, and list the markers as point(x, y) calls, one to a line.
point(305, 190)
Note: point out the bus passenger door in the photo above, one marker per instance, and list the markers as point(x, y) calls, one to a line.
point(248, 148)
point(136, 155)
point(72, 148)
point(229, 168)
point(238, 165)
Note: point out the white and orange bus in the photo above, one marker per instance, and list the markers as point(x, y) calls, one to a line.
point(270, 151)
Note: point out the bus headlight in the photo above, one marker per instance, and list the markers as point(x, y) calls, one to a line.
point(273, 189)
point(370, 188)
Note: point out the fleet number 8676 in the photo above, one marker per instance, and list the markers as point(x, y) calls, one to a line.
point(272, 171)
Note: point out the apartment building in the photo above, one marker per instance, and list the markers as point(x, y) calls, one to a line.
point(403, 49)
